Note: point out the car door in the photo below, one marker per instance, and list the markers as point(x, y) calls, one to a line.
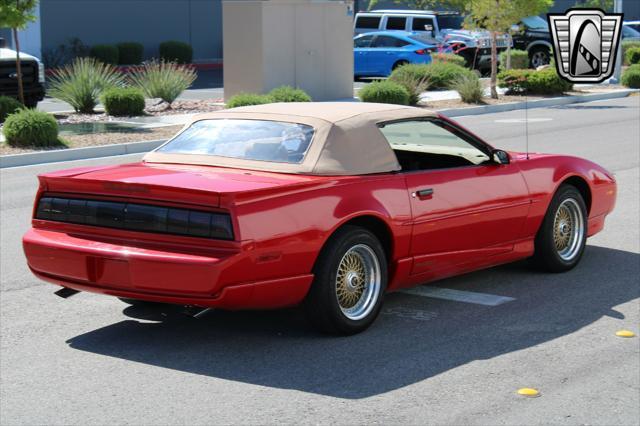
point(464, 206)
point(386, 51)
point(361, 52)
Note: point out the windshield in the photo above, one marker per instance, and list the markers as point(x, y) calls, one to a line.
point(451, 22)
point(260, 140)
point(424, 39)
point(535, 23)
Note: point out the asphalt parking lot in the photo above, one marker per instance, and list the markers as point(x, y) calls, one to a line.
point(94, 360)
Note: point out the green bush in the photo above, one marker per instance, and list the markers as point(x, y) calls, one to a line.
point(631, 77)
point(105, 53)
point(519, 59)
point(29, 127)
point(469, 88)
point(8, 106)
point(439, 75)
point(415, 84)
point(81, 83)
point(246, 99)
point(384, 92)
point(626, 45)
point(164, 80)
point(543, 82)
point(176, 51)
point(289, 94)
point(123, 101)
point(451, 58)
point(130, 53)
point(632, 56)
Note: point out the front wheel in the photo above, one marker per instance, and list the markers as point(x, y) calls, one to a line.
point(539, 57)
point(349, 284)
point(562, 237)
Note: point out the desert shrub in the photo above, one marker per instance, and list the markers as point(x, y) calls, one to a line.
point(176, 51)
point(289, 94)
point(385, 92)
point(105, 53)
point(8, 106)
point(29, 127)
point(543, 82)
point(440, 75)
point(123, 101)
point(415, 84)
point(519, 59)
point(632, 56)
point(164, 80)
point(631, 77)
point(246, 99)
point(469, 88)
point(130, 53)
point(451, 58)
point(626, 45)
point(81, 83)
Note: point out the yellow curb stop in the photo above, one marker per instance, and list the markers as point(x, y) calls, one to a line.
point(529, 392)
point(625, 333)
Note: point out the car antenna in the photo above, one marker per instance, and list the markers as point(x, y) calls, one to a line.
point(526, 122)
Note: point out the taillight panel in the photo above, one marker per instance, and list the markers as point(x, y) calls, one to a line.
point(136, 217)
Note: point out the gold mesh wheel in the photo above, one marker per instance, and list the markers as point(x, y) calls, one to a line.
point(358, 281)
point(568, 229)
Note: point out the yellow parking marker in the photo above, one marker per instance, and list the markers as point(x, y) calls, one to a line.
point(625, 333)
point(529, 392)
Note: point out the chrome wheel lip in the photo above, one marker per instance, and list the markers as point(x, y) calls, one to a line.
point(568, 225)
point(372, 282)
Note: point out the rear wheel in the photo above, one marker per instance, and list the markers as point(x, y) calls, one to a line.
point(349, 284)
point(539, 56)
point(561, 239)
point(399, 64)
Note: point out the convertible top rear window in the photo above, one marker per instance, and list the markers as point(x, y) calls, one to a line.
point(261, 140)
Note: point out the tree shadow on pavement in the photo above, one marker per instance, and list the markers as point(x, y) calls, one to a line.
point(414, 338)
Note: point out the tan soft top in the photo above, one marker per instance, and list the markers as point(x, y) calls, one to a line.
point(346, 141)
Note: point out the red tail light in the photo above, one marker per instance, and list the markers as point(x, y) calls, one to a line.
point(422, 52)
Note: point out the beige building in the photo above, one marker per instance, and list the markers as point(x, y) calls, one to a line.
point(301, 43)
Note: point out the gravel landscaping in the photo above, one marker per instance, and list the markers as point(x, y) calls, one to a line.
point(96, 139)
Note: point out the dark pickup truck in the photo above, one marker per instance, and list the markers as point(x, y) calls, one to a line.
point(32, 76)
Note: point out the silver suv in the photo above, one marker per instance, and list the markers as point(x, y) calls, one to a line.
point(446, 27)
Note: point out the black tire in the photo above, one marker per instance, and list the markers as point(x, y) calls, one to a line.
point(547, 255)
point(540, 55)
point(31, 102)
point(321, 304)
point(399, 64)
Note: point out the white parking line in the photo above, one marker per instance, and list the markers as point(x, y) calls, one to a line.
point(459, 295)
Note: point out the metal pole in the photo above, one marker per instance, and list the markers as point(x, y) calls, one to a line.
point(617, 71)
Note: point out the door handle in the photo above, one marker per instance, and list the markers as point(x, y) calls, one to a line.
point(424, 193)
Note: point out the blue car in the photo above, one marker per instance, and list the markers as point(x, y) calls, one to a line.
point(378, 53)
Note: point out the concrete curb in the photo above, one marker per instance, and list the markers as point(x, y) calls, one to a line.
point(139, 147)
point(538, 103)
point(77, 153)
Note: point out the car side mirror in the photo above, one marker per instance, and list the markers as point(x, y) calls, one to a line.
point(500, 157)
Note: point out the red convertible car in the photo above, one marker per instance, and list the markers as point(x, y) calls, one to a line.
point(328, 205)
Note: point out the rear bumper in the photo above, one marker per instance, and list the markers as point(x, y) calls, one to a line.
point(154, 274)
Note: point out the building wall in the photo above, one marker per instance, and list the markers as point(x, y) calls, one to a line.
point(150, 22)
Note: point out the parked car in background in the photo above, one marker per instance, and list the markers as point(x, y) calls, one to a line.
point(32, 75)
point(446, 27)
point(532, 34)
point(377, 54)
point(634, 25)
point(629, 33)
